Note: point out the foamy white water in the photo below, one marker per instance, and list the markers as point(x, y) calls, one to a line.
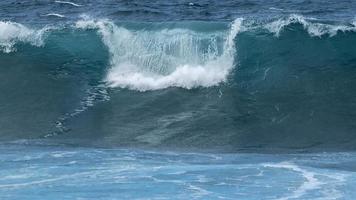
point(150, 60)
point(313, 28)
point(11, 33)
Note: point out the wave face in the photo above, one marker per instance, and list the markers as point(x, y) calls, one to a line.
point(282, 84)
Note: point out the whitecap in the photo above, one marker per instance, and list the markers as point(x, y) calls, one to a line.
point(313, 28)
point(68, 2)
point(54, 15)
point(11, 33)
point(151, 60)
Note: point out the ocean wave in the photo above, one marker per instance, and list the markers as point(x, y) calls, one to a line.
point(11, 33)
point(144, 60)
point(269, 83)
point(149, 60)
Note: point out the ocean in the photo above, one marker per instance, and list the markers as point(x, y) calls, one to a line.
point(206, 99)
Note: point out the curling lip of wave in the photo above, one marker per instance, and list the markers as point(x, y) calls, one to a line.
point(127, 73)
point(313, 28)
point(11, 33)
point(187, 68)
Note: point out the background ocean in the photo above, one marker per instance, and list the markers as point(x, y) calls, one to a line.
point(245, 99)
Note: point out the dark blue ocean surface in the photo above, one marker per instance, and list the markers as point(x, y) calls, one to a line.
point(136, 86)
point(39, 12)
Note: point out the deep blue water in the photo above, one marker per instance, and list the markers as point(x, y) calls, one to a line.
point(244, 99)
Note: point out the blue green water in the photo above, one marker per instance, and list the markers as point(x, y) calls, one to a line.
point(177, 99)
point(87, 173)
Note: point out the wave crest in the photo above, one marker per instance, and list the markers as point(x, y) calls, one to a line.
point(148, 60)
point(313, 28)
point(11, 33)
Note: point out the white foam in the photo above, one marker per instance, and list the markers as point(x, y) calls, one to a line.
point(150, 60)
point(313, 28)
point(68, 2)
point(11, 33)
point(185, 76)
point(326, 182)
point(311, 182)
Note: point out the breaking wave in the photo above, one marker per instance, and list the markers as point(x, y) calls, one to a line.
point(244, 84)
point(12, 33)
point(313, 28)
point(145, 59)
point(149, 60)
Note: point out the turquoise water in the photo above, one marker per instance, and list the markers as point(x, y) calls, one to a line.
point(30, 172)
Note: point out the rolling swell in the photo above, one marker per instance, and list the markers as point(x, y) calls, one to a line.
point(284, 84)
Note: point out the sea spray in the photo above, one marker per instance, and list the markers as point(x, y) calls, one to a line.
point(145, 60)
point(11, 33)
